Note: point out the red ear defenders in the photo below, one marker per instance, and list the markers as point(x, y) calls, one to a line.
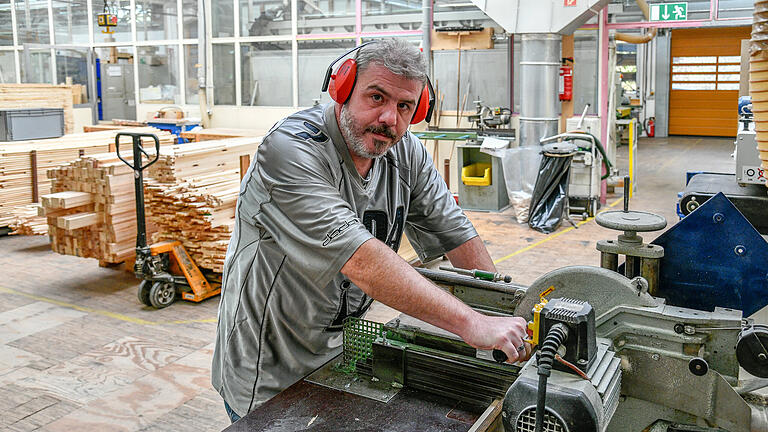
point(340, 85)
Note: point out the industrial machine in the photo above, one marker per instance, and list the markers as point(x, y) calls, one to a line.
point(166, 269)
point(612, 353)
point(586, 175)
point(486, 117)
point(745, 187)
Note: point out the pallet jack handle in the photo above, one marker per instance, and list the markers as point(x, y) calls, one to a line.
point(138, 177)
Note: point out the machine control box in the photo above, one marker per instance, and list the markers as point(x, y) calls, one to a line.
point(748, 169)
point(580, 348)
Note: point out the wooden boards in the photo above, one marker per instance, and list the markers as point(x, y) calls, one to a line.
point(40, 96)
point(218, 134)
point(24, 220)
point(23, 164)
point(190, 195)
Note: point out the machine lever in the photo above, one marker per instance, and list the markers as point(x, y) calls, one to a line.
point(627, 188)
point(479, 274)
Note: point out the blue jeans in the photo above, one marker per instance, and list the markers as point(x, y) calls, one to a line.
point(232, 415)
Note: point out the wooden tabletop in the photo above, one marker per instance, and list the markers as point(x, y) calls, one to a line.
point(310, 407)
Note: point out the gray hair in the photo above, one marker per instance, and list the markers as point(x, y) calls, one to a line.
point(397, 55)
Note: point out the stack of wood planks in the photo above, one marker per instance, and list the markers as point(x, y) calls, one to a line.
point(26, 221)
point(23, 164)
point(92, 212)
point(190, 196)
point(40, 96)
point(192, 193)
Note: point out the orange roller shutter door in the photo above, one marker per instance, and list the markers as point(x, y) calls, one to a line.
point(704, 75)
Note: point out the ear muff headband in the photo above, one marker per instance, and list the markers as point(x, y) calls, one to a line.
point(339, 86)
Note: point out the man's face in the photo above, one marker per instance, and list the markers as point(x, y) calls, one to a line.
point(379, 111)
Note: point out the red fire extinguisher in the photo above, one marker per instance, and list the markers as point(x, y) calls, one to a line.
point(650, 127)
point(566, 80)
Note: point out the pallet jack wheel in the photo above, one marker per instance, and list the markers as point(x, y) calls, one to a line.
point(144, 288)
point(162, 294)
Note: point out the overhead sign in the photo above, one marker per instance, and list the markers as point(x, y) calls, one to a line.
point(669, 11)
point(569, 3)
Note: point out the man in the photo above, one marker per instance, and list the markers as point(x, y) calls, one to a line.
point(320, 211)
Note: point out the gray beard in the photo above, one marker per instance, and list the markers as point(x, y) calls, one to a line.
point(354, 137)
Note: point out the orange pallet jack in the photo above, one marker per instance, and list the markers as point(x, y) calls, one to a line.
point(166, 269)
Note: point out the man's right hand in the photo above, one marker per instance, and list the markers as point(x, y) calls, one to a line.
point(503, 333)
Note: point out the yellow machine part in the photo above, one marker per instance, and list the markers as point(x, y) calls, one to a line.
point(535, 325)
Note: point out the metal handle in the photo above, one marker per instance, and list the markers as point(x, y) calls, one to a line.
point(138, 149)
point(583, 114)
point(627, 188)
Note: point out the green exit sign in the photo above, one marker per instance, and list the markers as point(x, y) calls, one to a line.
point(669, 11)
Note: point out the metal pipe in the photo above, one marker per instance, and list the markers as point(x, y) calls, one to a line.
point(609, 260)
point(455, 279)
point(539, 103)
point(205, 71)
point(426, 32)
point(641, 39)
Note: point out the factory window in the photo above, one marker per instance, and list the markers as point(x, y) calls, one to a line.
point(698, 68)
point(693, 86)
point(729, 68)
point(314, 58)
point(328, 16)
point(70, 21)
point(266, 74)
point(72, 68)
point(32, 20)
point(6, 25)
point(484, 77)
point(727, 86)
point(729, 59)
point(7, 67)
point(156, 20)
point(693, 77)
point(36, 66)
point(189, 18)
point(391, 16)
point(224, 74)
point(727, 77)
point(733, 9)
point(585, 52)
point(191, 69)
point(122, 32)
point(158, 74)
point(265, 17)
point(223, 18)
point(689, 60)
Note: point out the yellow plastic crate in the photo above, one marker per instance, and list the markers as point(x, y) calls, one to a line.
point(476, 174)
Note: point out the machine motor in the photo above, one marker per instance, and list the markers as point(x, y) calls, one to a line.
point(582, 392)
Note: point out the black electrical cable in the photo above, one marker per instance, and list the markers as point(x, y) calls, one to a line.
point(606, 162)
point(555, 337)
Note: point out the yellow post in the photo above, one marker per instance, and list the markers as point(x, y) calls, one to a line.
point(631, 156)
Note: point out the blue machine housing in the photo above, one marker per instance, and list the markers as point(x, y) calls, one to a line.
point(714, 257)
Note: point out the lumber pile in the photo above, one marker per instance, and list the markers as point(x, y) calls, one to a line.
point(26, 221)
point(40, 96)
point(192, 193)
point(17, 183)
point(91, 211)
point(200, 213)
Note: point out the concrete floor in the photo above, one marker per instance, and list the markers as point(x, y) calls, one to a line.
point(79, 352)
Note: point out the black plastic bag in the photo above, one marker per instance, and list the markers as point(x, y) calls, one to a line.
point(549, 202)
